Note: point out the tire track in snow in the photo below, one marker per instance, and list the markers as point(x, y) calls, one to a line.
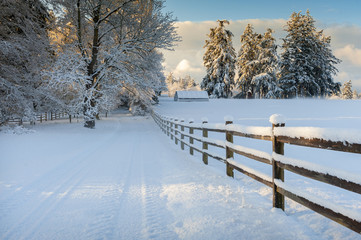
point(107, 225)
point(43, 207)
point(74, 174)
point(157, 219)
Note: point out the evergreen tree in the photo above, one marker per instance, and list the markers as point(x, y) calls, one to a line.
point(307, 62)
point(219, 60)
point(347, 90)
point(265, 83)
point(247, 66)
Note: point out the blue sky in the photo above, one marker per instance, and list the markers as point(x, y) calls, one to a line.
point(327, 11)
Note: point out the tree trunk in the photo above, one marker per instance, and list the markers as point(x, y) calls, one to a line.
point(89, 114)
point(89, 124)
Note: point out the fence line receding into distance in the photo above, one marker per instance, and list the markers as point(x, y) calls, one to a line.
point(176, 129)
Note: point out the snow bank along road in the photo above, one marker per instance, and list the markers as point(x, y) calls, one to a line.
point(126, 180)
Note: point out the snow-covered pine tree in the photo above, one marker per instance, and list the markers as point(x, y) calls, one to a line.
point(219, 60)
point(265, 83)
point(347, 90)
point(307, 62)
point(208, 56)
point(247, 62)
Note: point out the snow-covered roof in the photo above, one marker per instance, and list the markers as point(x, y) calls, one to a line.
point(191, 95)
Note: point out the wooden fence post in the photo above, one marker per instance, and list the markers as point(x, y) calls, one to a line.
point(161, 123)
point(41, 117)
point(167, 124)
point(229, 153)
point(277, 172)
point(191, 131)
point(175, 131)
point(205, 145)
point(171, 129)
point(69, 118)
point(182, 135)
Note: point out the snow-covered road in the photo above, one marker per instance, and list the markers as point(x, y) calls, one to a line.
point(126, 180)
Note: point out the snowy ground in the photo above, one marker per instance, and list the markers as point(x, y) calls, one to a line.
point(127, 180)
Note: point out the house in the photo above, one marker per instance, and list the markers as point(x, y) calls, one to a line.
point(191, 96)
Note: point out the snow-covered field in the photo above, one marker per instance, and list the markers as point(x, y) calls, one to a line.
point(335, 117)
point(256, 112)
point(127, 180)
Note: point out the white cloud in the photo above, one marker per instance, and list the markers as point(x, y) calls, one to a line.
point(188, 55)
point(184, 68)
point(343, 76)
point(349, 53)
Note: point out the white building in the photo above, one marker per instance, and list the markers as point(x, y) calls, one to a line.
point(191, 96)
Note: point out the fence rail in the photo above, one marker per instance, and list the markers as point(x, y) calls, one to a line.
point(175, 128)
point(43, 117)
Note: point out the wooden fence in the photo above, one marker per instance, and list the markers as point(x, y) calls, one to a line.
point(43, 117)
point(175, 128)
point(49, 116)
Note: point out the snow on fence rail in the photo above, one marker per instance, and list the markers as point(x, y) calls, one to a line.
point(47, 116)
point(43, 117)
point(278, 134)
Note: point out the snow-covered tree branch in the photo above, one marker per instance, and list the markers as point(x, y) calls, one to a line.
point(24, 51)
point(117, 42)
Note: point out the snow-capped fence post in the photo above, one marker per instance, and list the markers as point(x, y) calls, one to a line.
point(69, 118)
point(160, 123)
point(191, 131)
point(229, 153)
point(205, 145)
point(175, 131)
point(164, 124)
point(168, 126)
point(171, 129)
point(182, 135)
point(277, 172)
